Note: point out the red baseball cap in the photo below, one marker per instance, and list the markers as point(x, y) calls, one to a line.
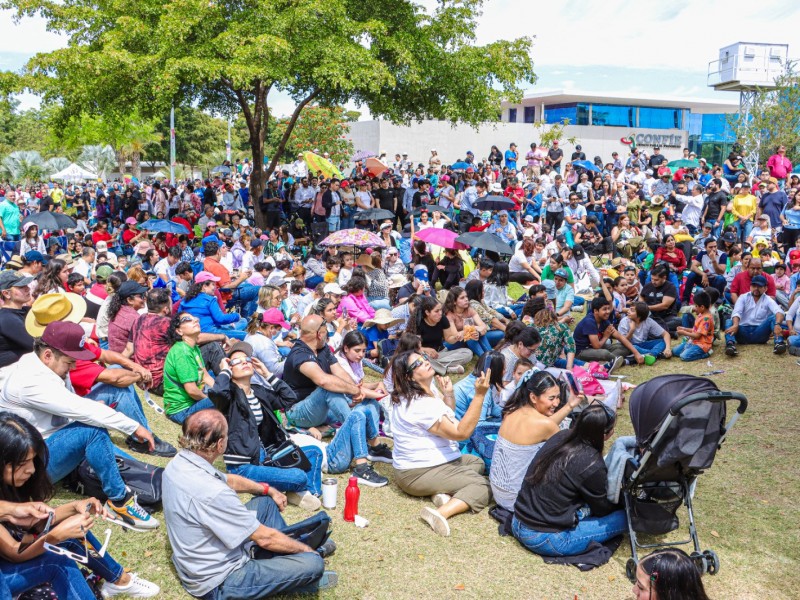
point(68, 338)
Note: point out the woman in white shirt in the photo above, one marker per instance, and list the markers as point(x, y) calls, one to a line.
point(427, 461)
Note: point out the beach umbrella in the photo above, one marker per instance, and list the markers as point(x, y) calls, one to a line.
point(353, 237)
point(494, 203)
point(683, 163)
point(50, 220)
point(373, 214)
point(375, 167)
point(586, 164)
point(318, 164)
point(460, 166)
point(163, 226)
point(362, 155)
point(440, 237)
point(483, 240)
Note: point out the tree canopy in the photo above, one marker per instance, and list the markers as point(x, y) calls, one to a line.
point(391, 56)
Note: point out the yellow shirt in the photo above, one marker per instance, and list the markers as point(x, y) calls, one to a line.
point(745, 206)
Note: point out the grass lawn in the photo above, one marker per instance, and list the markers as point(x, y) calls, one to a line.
point(746, 510)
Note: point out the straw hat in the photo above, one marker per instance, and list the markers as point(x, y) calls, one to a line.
point(397, 281)
point(67, 258)
point(383, 316)
point(15, 262)
point(49, 308)
point(657, 200)
point(365, 262)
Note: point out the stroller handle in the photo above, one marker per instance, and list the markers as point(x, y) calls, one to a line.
point(711, 397)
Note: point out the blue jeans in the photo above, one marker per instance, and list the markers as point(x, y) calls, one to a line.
point(180, 416)
point(313, 281)
point(561, 363)
point(318, 407)
point(743, 229)
point(688, 351)
point(286, 480)
point(59, 571)
point(794, 340)
point(654, 347)
point(102, 566)
point(248, 295)
point(350, 442)
point(333, 224)
point(70, 445)
point(478, 346)
point(573, 541)
point(122, 399)
point(693, 279)
point(377, 303)
point(280, 574)
point(493, 336)
point(752, 334)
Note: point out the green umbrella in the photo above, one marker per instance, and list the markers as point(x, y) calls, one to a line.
point(684, 163)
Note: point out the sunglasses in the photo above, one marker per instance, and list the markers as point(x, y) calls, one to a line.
point(238, 361)
point(186, 319)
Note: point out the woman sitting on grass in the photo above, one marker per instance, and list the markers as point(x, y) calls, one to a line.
point(562, 507)
point(23, 461)
point(427, 460)
point(530, 418)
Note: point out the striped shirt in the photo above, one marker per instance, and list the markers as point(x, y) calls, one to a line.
point(255, 407)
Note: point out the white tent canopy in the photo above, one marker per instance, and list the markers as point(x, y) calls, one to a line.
point(74, 172)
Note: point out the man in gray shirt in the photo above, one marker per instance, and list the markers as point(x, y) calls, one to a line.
point(212, 533)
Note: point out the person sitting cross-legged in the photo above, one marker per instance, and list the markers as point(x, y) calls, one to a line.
point(224, 549)
point(37, 389)
point(754, 318)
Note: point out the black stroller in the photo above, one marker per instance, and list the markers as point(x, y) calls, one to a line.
point(680, 423)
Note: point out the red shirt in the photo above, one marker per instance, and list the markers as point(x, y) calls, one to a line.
point(741, 284)
point(119, 330)
point(151, 342)
point(101, 236)
point(86, 372)
point(677, 262)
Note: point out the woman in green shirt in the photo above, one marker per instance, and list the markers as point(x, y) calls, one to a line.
point(184, 372)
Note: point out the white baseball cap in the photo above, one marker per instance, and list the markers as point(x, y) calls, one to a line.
point(333, 288)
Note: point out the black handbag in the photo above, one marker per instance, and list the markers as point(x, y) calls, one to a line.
point(286, 455)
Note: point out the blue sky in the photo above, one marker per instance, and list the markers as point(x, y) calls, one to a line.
point(584, 45)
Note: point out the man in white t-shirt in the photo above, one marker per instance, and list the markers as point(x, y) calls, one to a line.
point(165, 268)
point(83, 265)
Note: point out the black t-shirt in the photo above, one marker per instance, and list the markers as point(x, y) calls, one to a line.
point(420, 198)
point(715, 202)
point(406, 291)
point(656, 161)
point(433, 335)
point(298, 355)
point(386, 198)
point(14, 339)
point(46, 203)
point(653, 295)
point(578, 156)
point(555, 153)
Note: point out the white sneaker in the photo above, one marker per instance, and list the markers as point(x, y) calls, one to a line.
point(436, 520)
point(440, 499)
point(136, 588)
point(305, 500)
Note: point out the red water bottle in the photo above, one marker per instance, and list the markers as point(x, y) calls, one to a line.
point(351, 495)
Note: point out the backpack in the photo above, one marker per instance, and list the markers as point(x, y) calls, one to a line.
point(143, 480)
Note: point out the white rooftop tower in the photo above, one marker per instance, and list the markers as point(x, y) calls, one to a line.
point(749, 68)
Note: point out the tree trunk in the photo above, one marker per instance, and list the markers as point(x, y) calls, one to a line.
point(136, 165)
point(120, 164)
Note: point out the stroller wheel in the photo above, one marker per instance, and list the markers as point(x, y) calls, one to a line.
point(712, 562)
point(630, 569)
point(701, 561)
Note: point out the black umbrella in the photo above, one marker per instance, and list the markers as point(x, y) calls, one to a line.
point(430, 208)
point(373, 214)
point(224, 169)
point(494, 203)
point(50, 220)
point(484, 240)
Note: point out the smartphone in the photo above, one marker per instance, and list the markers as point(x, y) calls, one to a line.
point(34, 533)
point(573, 383)
point(345, 312)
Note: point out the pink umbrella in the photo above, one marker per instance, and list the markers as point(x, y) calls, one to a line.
point(440, 237)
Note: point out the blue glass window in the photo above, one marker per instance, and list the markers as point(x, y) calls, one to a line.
point(660, 118)
point(610, 115)
point(512, 115)
point(529, 115)
point(577, 114)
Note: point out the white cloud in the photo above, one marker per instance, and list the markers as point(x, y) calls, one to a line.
point(29, 36)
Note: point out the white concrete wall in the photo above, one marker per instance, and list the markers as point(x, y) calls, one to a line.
point(452, 142)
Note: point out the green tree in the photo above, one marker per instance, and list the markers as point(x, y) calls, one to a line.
point(391, 56)
point(773, 121)
point(23, 166)
point(317, 128)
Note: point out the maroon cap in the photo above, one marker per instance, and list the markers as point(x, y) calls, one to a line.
point(67, 338)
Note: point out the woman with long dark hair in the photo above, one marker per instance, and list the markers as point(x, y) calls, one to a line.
point(562, 506)
point(430, 323)
point(668, 574)
point(53, 278)
point(466, 321)
point(31, 240)
point(520, 341)
point(497, 323)
point(530, 417)
point(23, 463)
point(427, 460)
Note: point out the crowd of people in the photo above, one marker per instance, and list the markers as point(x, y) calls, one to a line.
point(258, 342)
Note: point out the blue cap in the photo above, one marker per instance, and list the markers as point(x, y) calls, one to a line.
point(561, 273)
point(759, 280)
point(210, 238)
point(550, 287)
point(35, 256)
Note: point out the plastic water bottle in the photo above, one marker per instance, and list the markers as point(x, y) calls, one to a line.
point(351, 495)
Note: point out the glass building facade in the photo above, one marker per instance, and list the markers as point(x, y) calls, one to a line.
point(711, 136)
point(616, 115)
